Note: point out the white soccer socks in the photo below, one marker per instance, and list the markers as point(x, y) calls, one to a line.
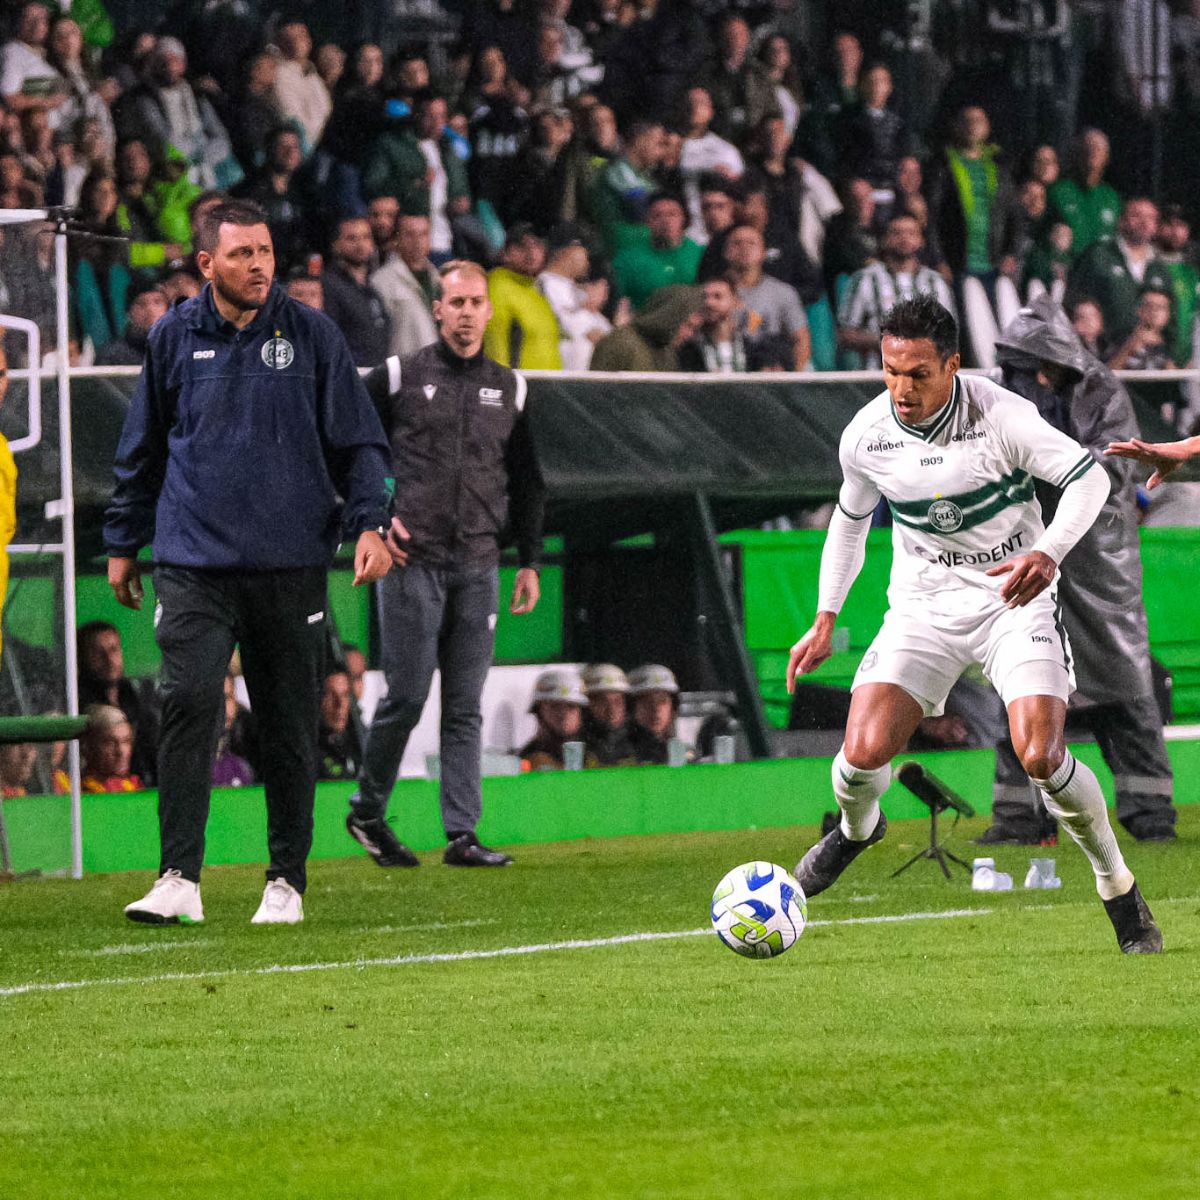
point(858, 793)
point(1073, 798)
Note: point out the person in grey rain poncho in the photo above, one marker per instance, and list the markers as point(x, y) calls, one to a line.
point(1100, 584)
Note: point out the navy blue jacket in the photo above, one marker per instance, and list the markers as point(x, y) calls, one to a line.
point(254, 449)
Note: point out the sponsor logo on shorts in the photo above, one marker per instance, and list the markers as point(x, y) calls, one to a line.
point(945, 516)
point(278, 352)
point(971, 558)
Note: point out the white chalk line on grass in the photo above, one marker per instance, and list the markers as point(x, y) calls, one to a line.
point(408, 960)
point(137, 948)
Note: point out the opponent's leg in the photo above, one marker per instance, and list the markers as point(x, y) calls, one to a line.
point(883, 716)
point(1072, 796)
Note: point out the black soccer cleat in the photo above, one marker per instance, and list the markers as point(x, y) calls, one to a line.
point(822, 865)
point(375, 836)
point(465, 851)
point(1136, 930)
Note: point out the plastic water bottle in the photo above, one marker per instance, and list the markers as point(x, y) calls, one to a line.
point(985, 877)
point(1041, 874)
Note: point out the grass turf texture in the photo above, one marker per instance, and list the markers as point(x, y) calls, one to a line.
point(1010, 1053)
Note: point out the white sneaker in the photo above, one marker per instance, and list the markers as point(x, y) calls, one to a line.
point(172, 900)
point(281, 905)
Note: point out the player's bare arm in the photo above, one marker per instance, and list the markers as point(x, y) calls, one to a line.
point(1165, 457)
point(812, 649)
point(1029, 575)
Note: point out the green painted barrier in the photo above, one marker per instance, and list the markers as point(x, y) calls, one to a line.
point(779, 573)
point(40, 729)
point(120, 832)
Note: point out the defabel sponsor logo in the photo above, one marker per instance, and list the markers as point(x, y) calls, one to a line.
point(972, 558)
point(876, 447)
point(970, 434)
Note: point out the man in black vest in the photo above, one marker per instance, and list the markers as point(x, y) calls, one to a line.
point(466, 476)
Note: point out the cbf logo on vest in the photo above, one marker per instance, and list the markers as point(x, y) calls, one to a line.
point(278, 352)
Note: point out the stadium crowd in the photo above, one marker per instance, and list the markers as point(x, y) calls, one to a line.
point(710, 186)
point(717, 185)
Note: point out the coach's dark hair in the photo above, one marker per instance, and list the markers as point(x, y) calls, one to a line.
point(228, 212)
point(922, 317)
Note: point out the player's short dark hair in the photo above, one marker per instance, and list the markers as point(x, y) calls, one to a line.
point(922, 317)
point(228, 212)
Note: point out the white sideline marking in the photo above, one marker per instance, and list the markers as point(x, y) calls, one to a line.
point(431, 925)
point(408, 960)
point(135, 948)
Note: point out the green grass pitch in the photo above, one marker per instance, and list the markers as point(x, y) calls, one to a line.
point(1010, 1051)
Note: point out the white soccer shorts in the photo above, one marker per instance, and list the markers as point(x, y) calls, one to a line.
point(1023, 652)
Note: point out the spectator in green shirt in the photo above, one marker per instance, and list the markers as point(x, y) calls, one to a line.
point(1116, 273)
point(1081, 197)
point(621, 189)
point(1174, 233)
point(974, 223)
point(667, 257)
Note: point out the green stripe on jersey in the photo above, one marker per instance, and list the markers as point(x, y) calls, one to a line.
point(1078, 470)
point(965, 500)
point(1019, 493)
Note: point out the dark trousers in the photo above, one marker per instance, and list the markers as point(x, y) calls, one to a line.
point(432, 618)
point(277, 618)
point(1130, 737)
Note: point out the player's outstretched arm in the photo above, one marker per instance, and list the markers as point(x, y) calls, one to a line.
point(812, 649)
point(1164, 457)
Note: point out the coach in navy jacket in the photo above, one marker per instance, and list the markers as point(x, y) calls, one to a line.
point(238, 445)
point(249, 449)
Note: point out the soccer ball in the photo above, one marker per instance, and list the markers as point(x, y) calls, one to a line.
point(758, 910)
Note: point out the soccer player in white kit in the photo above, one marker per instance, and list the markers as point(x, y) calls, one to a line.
point(972, 583)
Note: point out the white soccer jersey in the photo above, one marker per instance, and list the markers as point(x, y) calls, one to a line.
point(960, 490)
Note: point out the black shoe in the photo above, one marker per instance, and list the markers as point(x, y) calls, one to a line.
point(375, 836)
point(1152, 829)
point(1009, 835)
point(465, 851)
point(822, 865)
point(1131, 917)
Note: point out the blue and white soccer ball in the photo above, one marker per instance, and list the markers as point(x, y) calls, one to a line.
point(758, 910)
